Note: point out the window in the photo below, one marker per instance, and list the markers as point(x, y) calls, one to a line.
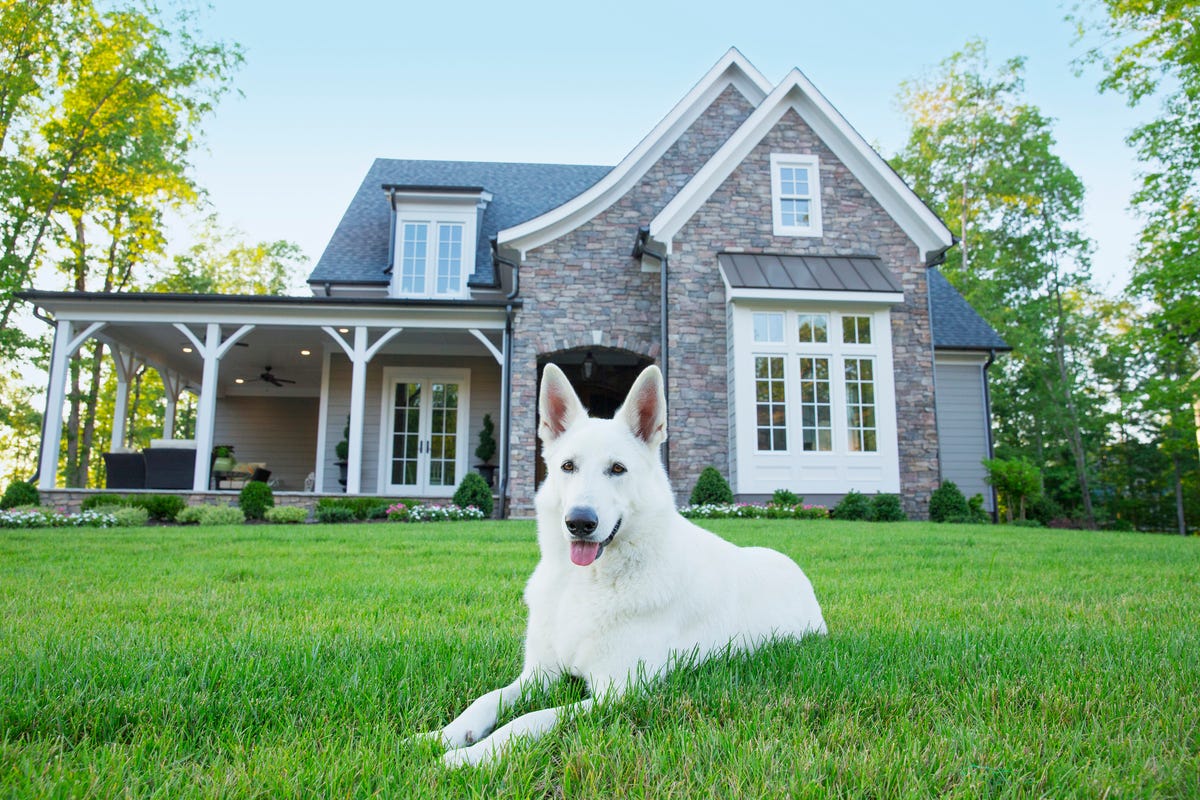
point(816, 408)
point(428, 271)
point(856, 330)
point(860, 405)
point(795, 195)
point(812, 328)
point(771, 403)
point(768, 328)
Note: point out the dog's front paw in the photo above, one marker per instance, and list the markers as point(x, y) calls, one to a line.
point(472, 756)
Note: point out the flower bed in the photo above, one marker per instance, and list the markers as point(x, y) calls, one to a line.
point(751, 511)
point(399, 512)
point(47, 518)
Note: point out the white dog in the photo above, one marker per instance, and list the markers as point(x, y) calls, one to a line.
point(625, 585)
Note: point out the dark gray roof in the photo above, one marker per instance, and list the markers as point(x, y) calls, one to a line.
point(956, 325)
point(358, 250)
point(822, 273)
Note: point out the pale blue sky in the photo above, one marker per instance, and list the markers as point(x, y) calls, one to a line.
point(328, 87)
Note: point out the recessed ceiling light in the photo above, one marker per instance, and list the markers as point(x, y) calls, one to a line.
point(306, 352)
point(187, 349)
point(343, 330)
point(239, 380)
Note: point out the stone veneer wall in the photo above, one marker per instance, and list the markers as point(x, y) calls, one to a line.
point(738, 217)
point(584, 289)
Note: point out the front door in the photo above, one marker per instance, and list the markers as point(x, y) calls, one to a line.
point(425, 417)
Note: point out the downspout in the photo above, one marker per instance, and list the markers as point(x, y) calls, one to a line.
point(987, 415)
point(639, 250)
point(37, 472)
point(506, 382)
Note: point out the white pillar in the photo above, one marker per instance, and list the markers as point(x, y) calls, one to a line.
point(127, 365)
point(173, 386)
point(56, 392)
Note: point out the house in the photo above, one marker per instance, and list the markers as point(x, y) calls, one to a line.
point(753, 245)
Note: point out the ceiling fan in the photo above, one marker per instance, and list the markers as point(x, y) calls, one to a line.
point(269, 377)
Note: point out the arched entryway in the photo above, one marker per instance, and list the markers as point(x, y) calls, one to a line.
point(602, 376)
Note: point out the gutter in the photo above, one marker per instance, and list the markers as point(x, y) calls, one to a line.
point(506, 382)
point(639, 250)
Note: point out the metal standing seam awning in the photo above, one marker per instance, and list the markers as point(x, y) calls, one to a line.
point(807, 273)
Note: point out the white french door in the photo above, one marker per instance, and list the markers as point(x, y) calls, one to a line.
point(425, 415)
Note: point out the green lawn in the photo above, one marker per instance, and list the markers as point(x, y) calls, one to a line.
point(293, 661)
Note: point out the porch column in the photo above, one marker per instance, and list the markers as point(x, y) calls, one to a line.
point(127, 364)
point(360, 355)
point(212, 350)
point(173, 384)
point(65, 345)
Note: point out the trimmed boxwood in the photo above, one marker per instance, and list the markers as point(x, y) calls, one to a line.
point(20, 493)
point(854, 505)
point(887, 508)
point(255, 498)
point(474, 491)
point(947, 504)
point(711, 489)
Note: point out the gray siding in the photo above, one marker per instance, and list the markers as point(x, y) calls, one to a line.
point(962, 426)
point(281, 431)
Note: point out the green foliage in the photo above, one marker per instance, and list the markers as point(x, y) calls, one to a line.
point(20, 493)
point(711, 488)
point(125, 516)
point(208, 515)
point(487, 441)
point(886, 508)
point(1016, 480)
point(360, 507)
point(334, 514)
point(947, 504)
point(474, 491)
point(189, 515)
point(161, 507)
point(978, 514)
point(854, 506)
point(255, 498)
point(785, 497)
point(286, 515)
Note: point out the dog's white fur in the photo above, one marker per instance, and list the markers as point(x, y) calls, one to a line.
point(663, 588)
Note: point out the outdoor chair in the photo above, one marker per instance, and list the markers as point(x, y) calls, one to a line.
point(124, 471)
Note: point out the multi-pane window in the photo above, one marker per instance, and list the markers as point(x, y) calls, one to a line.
point(768, 328)
point(812, 328)
point(795, 194)
point(856, 330)
point(770, 396)
point(431, 267)
point(860, 405)
point(816, 405)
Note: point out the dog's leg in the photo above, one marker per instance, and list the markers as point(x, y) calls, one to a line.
point(480, 717)
point(531, 725)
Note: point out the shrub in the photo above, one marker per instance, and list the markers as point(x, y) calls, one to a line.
point(221, 515)
point(711, 488)
point(20, 493)
point(397, 512)
point(436, 513)
point(474, 491)
point(286, 515)
point(334, 514)
point(786, 497)
point(189, 515)
point(886, 508)
point(255, 498)
point(855, 505)
point(487, 440)
point(947, 504)
point(36, 517)
point(359, 507)
point(125, 516)
point(978, 514)
point(1018, 481)
point(162, 506)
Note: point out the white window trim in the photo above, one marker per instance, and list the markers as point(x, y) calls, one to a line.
point(433, 216)
point(779, 160)
point(816, 472)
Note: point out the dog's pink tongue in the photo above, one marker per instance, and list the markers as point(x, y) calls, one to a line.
point(584, 553)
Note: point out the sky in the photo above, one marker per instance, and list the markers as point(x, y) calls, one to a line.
point(327, 88)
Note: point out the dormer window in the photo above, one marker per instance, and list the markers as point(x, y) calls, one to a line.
point(796, 195)
point(436, 232)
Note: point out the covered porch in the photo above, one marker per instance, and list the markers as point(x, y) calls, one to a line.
point(404, 384)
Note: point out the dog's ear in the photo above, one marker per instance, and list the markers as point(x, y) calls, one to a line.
point(558, 405)
point(645, 409)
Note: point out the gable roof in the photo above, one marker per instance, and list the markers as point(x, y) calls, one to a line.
point(797, 93)
point(358, 250)
point(731, 70)
point(956, 325)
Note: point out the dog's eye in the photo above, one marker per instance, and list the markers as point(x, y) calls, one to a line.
point(617, 468)
point(568, 466)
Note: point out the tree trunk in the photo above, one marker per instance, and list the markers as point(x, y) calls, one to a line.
point(89, 419)
point(71, 476)
point(1180, 519)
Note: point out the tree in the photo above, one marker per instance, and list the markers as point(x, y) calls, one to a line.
point(984, 159)
point(221, 262)
point(1150, 49)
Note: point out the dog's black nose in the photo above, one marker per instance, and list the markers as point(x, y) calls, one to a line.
point(581, 521)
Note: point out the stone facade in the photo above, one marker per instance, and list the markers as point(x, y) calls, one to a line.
point(584, 290)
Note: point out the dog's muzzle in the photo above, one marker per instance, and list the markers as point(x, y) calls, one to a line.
point(581, 523)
